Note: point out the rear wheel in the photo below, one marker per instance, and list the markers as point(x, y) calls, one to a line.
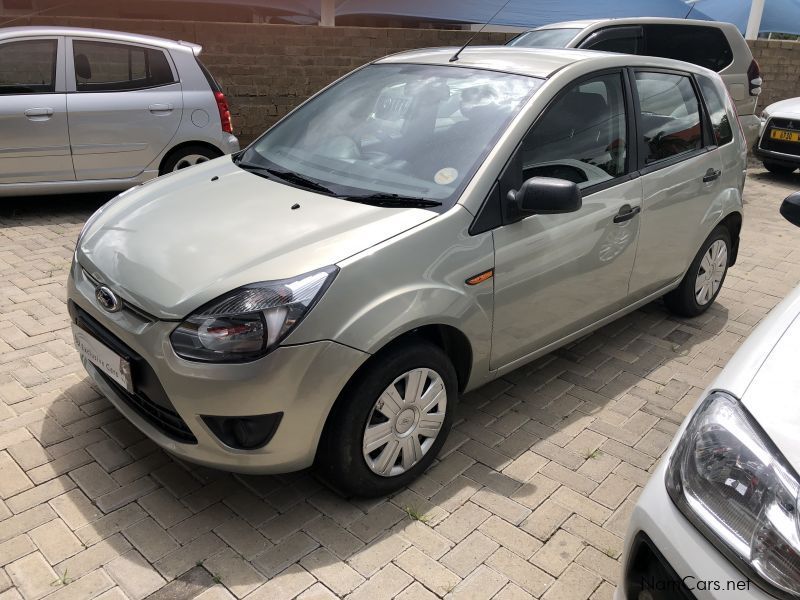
point(391, 423)
point(188, 156)
point(703, 281)
point(777, 169)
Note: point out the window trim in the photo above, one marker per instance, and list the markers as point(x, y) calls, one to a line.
point(613, 32)
point(644, 166)
point(72, 80)
point(506, 180)
point(708, 112)
point(57, 89)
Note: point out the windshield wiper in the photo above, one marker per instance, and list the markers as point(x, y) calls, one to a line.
point(393, 200)
point(287, 176)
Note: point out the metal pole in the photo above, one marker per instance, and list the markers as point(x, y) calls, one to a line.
point(327, 13)
point(754, 21)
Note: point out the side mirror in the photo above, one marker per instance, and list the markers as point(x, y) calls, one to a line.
point(790, 208)
point(544, 196)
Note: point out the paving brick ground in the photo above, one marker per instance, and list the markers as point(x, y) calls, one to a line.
point(531, 496)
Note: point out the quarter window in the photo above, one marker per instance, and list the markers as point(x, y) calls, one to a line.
point(110, 67)
point(720, 122)
point(670, 115)
point(582, 136)
point(699, 45)
point(28, 67)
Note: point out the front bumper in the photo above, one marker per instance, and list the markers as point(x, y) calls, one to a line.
point(302, 382)
point(708, 575)
point(786, 154)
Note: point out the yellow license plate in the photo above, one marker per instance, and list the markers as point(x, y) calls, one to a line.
point(785, 136)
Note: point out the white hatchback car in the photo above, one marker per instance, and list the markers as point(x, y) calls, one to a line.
point(719, 518)
point(91, 110)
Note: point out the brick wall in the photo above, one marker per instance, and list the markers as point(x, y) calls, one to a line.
point(268, 69)
point(780, 69)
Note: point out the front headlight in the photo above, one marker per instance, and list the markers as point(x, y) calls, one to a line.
point(729, 479)
point(248, 322)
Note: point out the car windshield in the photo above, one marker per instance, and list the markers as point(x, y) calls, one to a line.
point(393, 134)
point(545, 38)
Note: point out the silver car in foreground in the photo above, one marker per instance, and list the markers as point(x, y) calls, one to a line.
point(420, 227)
point(90, 110)
point(720, 517)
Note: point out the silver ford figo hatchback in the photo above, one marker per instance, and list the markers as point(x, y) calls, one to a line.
point(93, 110)
point(417, 229)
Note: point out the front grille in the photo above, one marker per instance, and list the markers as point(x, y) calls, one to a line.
point(149, 400)
point(767, 143)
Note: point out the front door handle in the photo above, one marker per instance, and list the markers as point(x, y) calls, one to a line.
point(160, 108)
point(626, 213)
point(39, 114)
point(711, 175)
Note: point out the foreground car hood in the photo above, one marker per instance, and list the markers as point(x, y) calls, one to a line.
point(182, 240)
point(764, 374)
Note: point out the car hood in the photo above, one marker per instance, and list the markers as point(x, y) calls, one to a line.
point(180, 241)
point(789, 108)
point(764, 375)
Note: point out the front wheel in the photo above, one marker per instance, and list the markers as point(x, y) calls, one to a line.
point(703, 281)
point(391, 422)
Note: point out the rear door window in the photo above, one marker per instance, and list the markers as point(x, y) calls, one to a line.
point(699, 45)
point(28, 67)
point(114, 67)
point(670, 115)
point(715, 103)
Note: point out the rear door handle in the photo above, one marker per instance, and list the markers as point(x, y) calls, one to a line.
point(711, 175)
point(626, 213)
point(160, 108)
point(39, 114)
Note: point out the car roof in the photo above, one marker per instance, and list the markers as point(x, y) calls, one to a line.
point(534, 62)
point(583, 24)
point(119, 36)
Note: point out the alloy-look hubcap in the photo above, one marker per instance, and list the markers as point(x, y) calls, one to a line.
point(189, 161)
point(405, 422)
point(711, 272)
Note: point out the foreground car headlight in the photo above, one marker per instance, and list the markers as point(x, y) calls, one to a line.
point(730, 480)
point(248, 322)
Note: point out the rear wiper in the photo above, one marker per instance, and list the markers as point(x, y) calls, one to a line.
point(287, 176)
point(393, 200)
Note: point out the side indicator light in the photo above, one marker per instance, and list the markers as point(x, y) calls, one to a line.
point(480, 277)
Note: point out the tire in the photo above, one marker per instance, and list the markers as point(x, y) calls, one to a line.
point(777, 169)
point(691, 300)
point(342, 459)
point(187, 156)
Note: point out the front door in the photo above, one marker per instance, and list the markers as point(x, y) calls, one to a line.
point(34, 137)
point(124, 109)
point(556, 274)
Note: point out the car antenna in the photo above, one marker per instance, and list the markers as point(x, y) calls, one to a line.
point(454, 58)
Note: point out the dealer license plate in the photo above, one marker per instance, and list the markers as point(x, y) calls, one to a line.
point(103, 357)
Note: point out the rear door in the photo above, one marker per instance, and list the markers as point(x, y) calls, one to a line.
point(34, 137)
point(681, 176)
point(124, 107)
point(558, 273)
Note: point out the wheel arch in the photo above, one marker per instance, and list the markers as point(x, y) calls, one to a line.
point(733, 223)
point(178, 147)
